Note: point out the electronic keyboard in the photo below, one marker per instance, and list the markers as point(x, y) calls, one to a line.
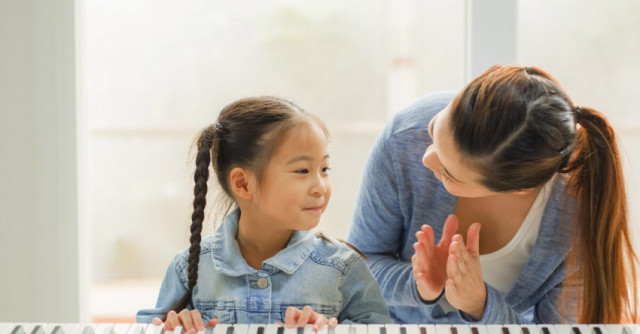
point(127, 328)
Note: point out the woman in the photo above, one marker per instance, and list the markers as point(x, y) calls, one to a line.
point(535, 184)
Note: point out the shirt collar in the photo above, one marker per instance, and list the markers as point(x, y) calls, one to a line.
point(227, 258)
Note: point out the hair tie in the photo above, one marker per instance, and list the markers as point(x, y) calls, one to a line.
point(577, 112)
point(217, 125)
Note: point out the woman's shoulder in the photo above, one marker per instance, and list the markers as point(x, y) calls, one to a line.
point(419, 113)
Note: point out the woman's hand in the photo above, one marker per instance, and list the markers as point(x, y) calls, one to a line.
point(299, 318)
point(190, 320)
point(465, 289)
point(430, 260)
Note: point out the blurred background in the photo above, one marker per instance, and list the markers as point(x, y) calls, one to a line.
point(100, 102)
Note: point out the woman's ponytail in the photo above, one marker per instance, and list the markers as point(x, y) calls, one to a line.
point(603, 257)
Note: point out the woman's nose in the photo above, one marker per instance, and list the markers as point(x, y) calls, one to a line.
point(430, 159)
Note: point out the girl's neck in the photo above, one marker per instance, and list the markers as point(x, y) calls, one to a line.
point(259, 240)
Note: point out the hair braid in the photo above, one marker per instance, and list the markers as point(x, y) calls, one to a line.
point(201, 176)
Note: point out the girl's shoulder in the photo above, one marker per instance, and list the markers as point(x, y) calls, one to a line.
point(333, 252)
point(181, 259)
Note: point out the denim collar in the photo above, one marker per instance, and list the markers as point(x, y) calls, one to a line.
point(227, 258)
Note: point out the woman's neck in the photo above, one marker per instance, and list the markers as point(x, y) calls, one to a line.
point(501, 216)
point(259, 240)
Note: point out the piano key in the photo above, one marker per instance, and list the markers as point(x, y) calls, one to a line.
point(443, 329)
point(522, 329)
point(358, 329)
point(136, 329)
point(119, 328)
point(427, 329)
point(494, 329)
point(547, 329)
point(409, 329)
point(6, 327)
point(377, 329)
point(154, 329)
point(18, 329)
point(240, 329)
point(476, 329)
point(38, 329)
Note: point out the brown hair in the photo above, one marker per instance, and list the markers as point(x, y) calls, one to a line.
point(245, 135)
point(518, 127)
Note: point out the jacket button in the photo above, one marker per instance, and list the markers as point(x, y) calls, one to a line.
point(262, 283)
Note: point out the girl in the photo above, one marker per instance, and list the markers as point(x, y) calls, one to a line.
point(512, 154)
point(263, 265)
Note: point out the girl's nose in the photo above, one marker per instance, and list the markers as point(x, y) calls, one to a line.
point(319, 186)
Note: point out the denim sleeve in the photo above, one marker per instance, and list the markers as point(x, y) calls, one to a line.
point(377, 226)
point(172, 289)
point(362, 300)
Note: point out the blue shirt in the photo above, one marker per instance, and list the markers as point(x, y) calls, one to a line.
point(326, 275)
point(398, 194)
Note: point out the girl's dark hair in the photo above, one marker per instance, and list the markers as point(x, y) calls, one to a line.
point(245, 135)
point(517, 127)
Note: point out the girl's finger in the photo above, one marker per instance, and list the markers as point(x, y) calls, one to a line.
point(291, 316)
point(333, 322)
point(306, 314)
point(449, 229)
point(196, 317)
point(185, 319)
point(172, 321)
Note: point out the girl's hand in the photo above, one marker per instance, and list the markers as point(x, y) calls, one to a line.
point(465, 289)
point(430, 260)
point(299, 318)
point(190, 320)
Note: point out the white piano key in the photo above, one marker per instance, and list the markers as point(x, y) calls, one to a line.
point(152, 329)
point(5, 327)
point(240, 329)
point(358, 329)
point(631, 329)
point(340, 329)
point(460, 329)
point(494, 329)
point(563, 329)
point(408, 329)
point(377, 329)
point(443, 329)
point(120, 328)
point(136, 329)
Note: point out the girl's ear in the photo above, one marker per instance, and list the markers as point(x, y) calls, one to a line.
point(239, 181)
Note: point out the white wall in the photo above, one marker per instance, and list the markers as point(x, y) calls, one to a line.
point(39, 275)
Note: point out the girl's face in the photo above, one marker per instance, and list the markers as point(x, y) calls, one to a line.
point(444, 160)
point(295, 186)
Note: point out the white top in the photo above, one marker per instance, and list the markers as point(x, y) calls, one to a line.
point(502, 268)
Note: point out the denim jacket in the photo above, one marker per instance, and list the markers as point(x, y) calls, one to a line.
point(398, 194)
point(326, 275)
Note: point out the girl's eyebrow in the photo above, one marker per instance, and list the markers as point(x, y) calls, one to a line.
point(304, 158)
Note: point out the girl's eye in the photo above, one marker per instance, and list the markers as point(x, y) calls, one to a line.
point(326, 170)
point(302, 171)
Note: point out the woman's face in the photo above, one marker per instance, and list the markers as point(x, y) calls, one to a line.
point(444, 160)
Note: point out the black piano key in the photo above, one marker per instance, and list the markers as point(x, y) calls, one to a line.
point(597, 330)
point(474, 330)
point(280, 330)
point(18, 330)
point(37, 330)
point(332, 330)
point(260, 330)
point(545, 330)
point(525, 330)
point(423, 330)
point(88, 330)
point(230, 330)
point(58, 330)
point(300, 330)
point(505, 330)
point(576, 330)
point(403, 330)
point(454, 330)
point(383, 330)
